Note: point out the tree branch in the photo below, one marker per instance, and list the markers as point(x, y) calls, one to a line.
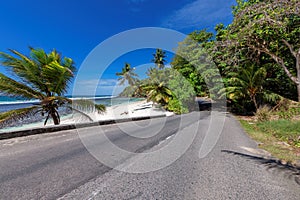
point(290, 47)
point(277, 60)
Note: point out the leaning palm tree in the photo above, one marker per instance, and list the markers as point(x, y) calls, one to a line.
point(40, 76)
point(128, 75)
point(159, 58)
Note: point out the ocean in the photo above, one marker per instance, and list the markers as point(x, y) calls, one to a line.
point(12, 103)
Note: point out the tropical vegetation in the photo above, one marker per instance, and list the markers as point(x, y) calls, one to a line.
point(40, 76)
point(265, 34)
point(128, 75)
point(164, 86)
point(159, 58)
point(256, 57)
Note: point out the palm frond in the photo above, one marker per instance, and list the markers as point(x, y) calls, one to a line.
point(11, 87)
point(24, 68)
point(100, 108)
point(14, 115)
point(158, 93)
point(86, 105)
point(272, 97)
point(159, 58)
point(40, 76)
point(82, 113)
point(58, 77)
point(128, 75)
point(259, 76)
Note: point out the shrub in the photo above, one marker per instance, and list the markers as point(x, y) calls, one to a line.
point(289, 110)
point(263, 114)
point(176, 106)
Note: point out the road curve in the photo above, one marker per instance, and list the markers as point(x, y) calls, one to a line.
point(58, 166)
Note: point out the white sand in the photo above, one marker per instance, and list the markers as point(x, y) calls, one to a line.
point(121, 111)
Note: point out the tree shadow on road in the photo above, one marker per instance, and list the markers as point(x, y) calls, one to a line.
point(275, 166)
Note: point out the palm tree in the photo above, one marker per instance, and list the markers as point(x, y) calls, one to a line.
point(246, 83)
point(128, 75)
point(40, 76)
point(159, 58)
point(157, 76)
point(158, 93)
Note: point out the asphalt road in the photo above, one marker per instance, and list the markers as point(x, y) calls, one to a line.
point(59, 166)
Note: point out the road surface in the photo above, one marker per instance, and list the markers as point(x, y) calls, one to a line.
point(58, 166)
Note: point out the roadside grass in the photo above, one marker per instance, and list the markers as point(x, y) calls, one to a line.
point(278, 137)
point(285, 130)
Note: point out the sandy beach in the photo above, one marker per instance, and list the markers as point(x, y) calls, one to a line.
point(120, 111)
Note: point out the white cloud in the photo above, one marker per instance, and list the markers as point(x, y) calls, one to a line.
point(199, 13)
point(96, 82)
point(107, 82)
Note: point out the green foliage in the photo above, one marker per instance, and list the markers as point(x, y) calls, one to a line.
point(46, 73)
point(166, 87)
point(88, 106)
point(158, 93)
point(288, 112)
point(193, 61)
point(183, 92)
point(177, 107)
point(246, 83)
point(267, 33)
point(159, 58)
point(156, 75)
point(285, 115)
point(100, 108)
point(134, 91)
point(128, 75)
point(40, 76)
point(155, 86)
point(16, 114)
point(256, 56)
point(278, 82)
point(170, 89)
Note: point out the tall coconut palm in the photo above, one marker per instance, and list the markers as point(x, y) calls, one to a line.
point(159, 58)
point(128, 75)
point(39, 76)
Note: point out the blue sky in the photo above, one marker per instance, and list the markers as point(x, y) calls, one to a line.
point(75, 28)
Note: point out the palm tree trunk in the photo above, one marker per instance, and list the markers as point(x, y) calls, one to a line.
point(254, 101)
point(298, 73)
point(298, 90)
point(54, 117)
